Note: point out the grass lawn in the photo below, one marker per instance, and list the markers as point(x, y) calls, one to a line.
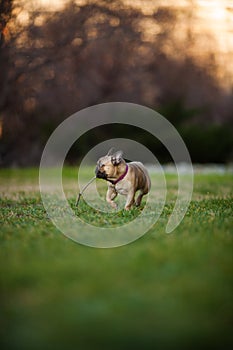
point(164, 291)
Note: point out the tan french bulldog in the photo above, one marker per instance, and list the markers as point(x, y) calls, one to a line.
point(124, 178)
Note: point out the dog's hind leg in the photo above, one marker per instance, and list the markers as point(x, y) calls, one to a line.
point(139, 198)
point(130, 200)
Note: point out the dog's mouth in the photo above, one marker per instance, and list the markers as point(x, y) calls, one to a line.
point(101, 175)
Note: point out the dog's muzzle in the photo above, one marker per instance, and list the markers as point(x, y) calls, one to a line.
point(100, 175)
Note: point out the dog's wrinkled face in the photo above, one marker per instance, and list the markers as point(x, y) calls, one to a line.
point(107, 165)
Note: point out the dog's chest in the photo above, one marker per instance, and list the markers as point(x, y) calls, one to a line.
point(123, 187)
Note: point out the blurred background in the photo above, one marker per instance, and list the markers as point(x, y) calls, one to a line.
point(163, 291)
point(58, 57)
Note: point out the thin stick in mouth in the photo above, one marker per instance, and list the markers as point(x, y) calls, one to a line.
point(84, 188)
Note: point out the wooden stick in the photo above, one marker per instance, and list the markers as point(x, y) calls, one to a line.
point(84, 188)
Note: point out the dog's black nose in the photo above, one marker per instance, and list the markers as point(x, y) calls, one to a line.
point(99, 174)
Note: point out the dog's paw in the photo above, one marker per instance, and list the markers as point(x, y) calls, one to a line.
point(128, 207)
point(114, 205)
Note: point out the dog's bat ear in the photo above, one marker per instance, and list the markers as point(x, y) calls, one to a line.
point(111, 151)
point(117, 158)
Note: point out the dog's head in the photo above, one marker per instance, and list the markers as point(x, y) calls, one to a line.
point(108, 166)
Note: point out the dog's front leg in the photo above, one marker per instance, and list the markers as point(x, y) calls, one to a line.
point(129, 200)
point(110, 195)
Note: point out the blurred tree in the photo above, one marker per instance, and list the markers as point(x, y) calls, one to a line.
point(5, 15)
point(102, 51)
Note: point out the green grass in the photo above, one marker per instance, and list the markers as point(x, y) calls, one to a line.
point(163, 291)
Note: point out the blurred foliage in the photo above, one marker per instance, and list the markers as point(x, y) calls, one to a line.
point(100, 52)
point(5, 14)
point(206, 144)
point(209, 144)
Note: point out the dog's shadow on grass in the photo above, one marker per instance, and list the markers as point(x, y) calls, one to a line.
point(98, 217)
